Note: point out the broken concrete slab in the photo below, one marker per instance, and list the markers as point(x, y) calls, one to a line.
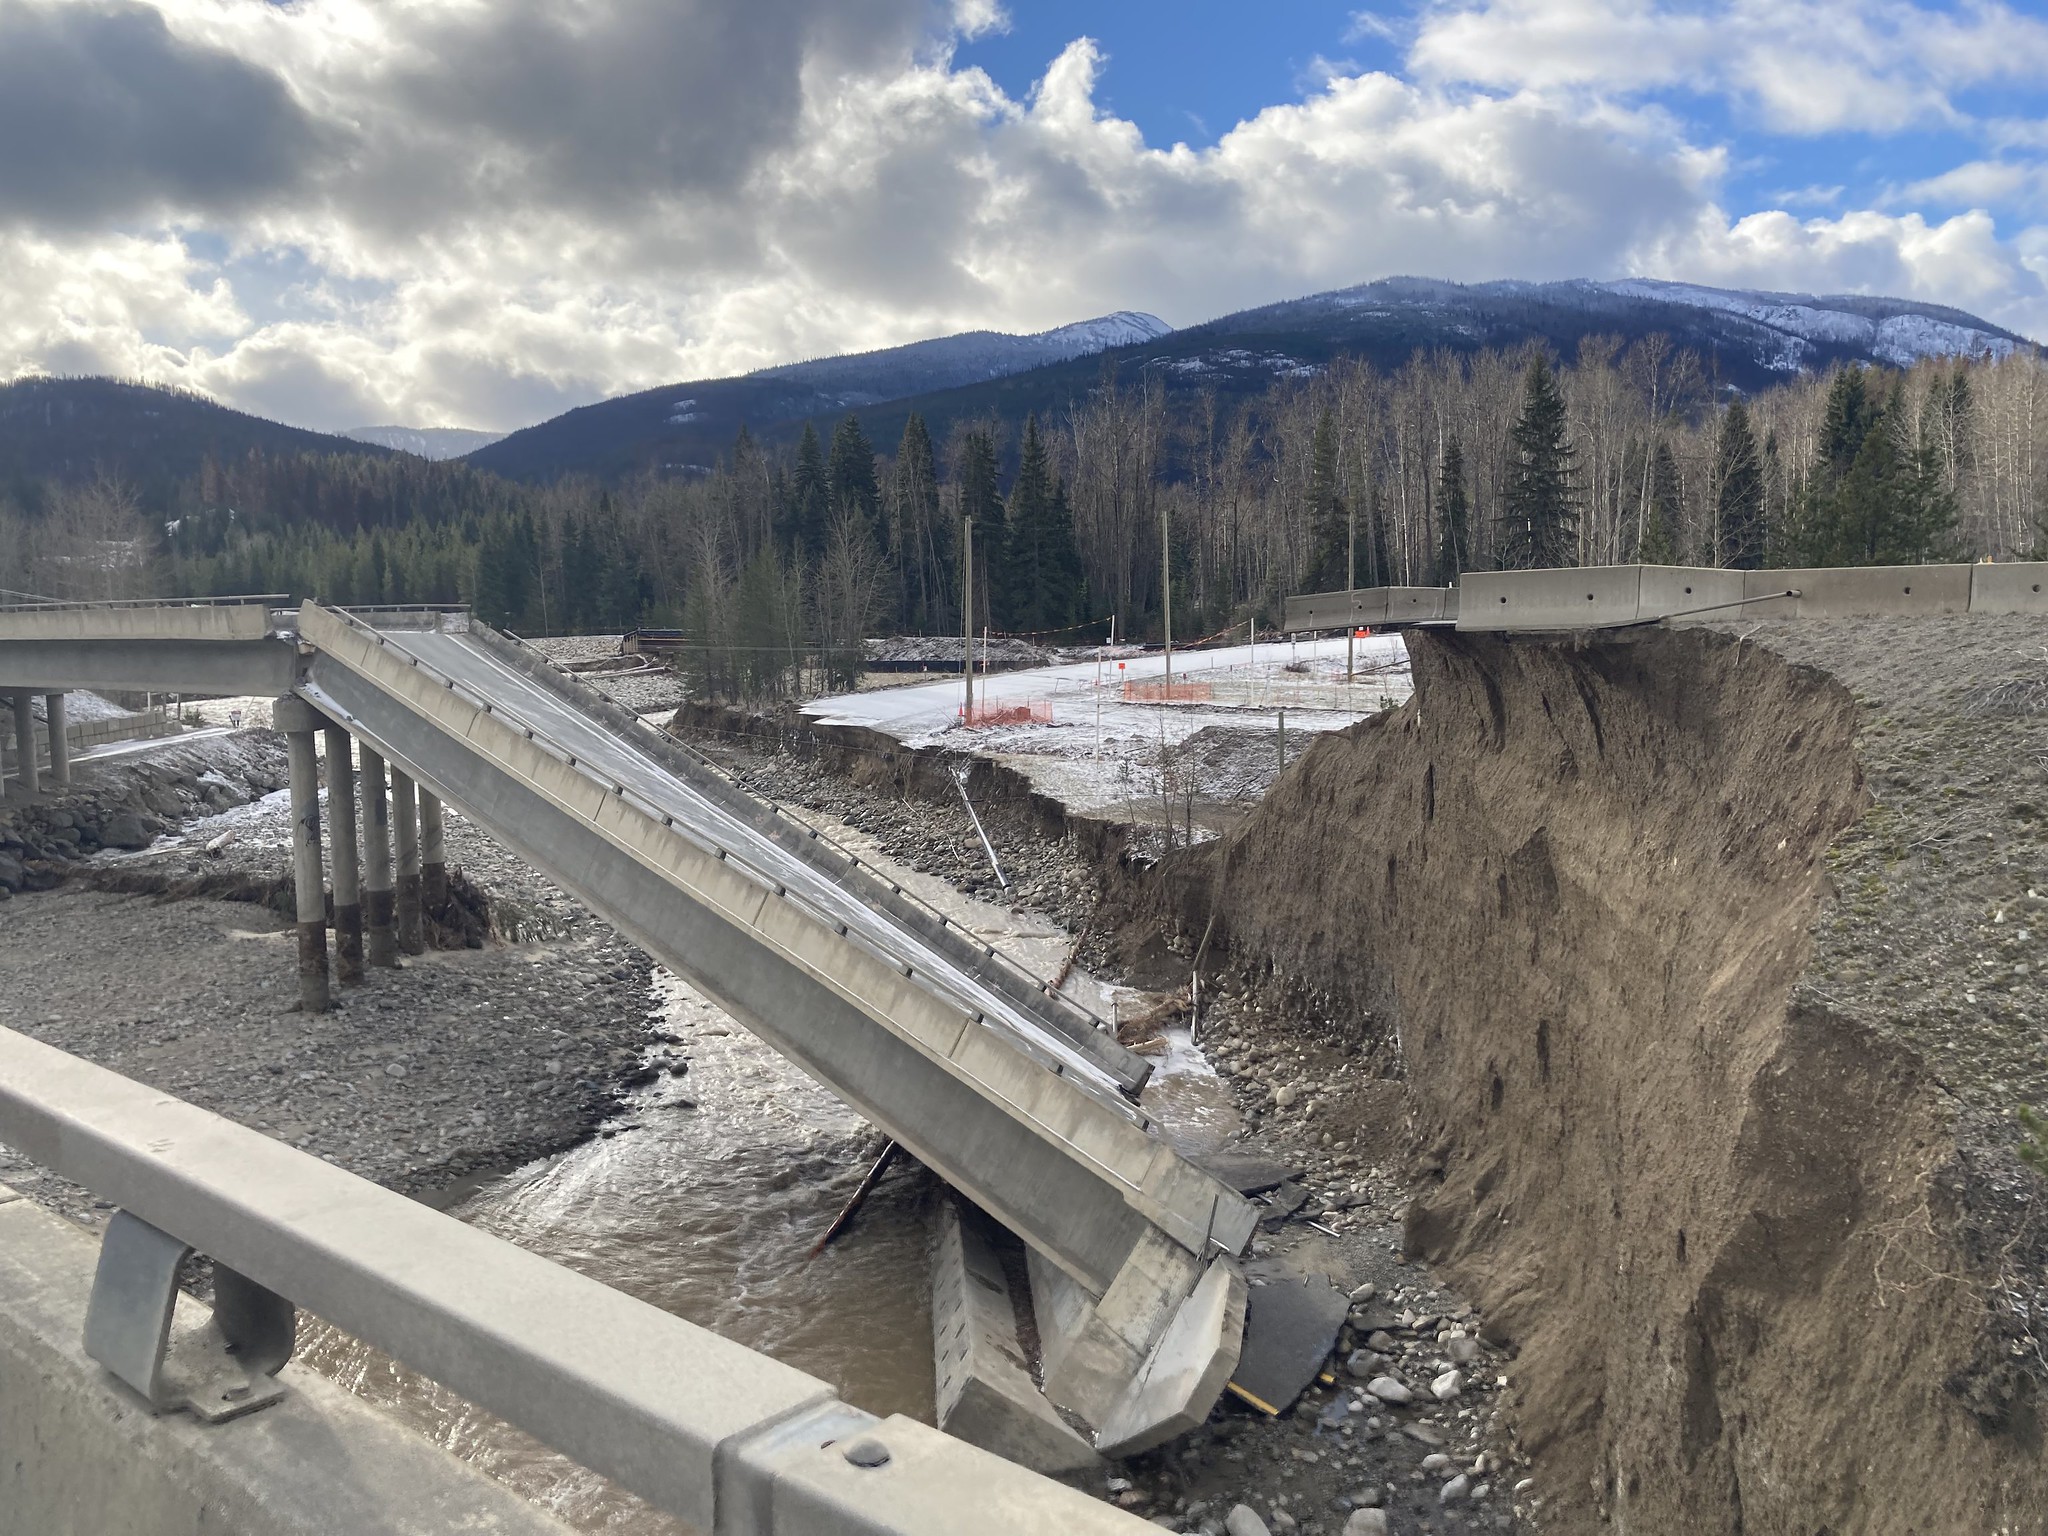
point(1291, 1323)
point(985, 1392)
point(1187, 1370)
point(1248, 1173)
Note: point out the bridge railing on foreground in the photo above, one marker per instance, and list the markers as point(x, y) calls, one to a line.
point(728, 1440)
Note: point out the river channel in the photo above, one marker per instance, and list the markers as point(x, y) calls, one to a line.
point(704, 1197)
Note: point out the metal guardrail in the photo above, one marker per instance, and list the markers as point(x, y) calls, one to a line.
point(701, 1427)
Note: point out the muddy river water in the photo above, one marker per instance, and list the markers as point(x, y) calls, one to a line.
point(704, 1197)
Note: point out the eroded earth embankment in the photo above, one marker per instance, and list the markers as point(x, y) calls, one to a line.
point(1763, 1270)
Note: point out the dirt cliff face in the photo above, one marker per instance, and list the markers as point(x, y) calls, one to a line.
point(1731, 1231)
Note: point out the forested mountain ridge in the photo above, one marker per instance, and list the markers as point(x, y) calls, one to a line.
point(1748, 340)
point(64, 430)
point(681, 427)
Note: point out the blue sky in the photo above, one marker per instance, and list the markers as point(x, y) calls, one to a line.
point(1192, 70)
point(453, 214)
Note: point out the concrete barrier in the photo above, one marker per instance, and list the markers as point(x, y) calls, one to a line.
point(1586, 597)
point(138, 623)
point(1858, 591)
point(1607, 597)
point(2015, 587)
point(79, 1456)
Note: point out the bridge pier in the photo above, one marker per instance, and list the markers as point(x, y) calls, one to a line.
point(60, 742)
point(433, 852)
point(26, 772)
point(405, 825)
point(300, 722)
point(382, 941)
point(348, 900)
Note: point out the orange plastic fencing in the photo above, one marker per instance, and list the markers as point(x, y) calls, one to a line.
point(1010, 712)
point(1163, 692)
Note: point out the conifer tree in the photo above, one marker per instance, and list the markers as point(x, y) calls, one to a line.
point(1738, 493)
point(982, 505)
point(1661, 526)
point(807, 497)
point(1041, 566)
point(1540, 504)
point(1875, 494)
point(920, 542)
point(851, 476)
point(1453, 515)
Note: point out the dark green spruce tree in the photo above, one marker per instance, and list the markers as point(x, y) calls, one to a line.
point(1738, 493)
point(806, 498)
point(923, 547)
point(1663, 504)
point(1453, 515)
point(851, 475)
point(1041, 566)
point(1877, 494)
point(1540, 505)
point(982, 505)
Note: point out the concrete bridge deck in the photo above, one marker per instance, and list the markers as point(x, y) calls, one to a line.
point(1013, 1095)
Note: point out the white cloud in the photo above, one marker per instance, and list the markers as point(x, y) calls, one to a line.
point(1808, 66)
point(978, 18)
point(522, 206)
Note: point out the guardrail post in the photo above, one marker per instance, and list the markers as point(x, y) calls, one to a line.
point(405, 824)
point(220, 1373)
point(60, 742)
point(382, 941)
point(433, 852)
point(27, 773)
point(299, 722)
point(348, 900)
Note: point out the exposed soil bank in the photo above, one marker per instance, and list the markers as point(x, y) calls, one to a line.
point(1763, 1270)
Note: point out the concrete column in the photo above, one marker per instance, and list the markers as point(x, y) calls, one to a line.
point(405, 827)
point(382, 942)
point(60, 743)
point(26, 771)
point(299, 723)
point(341, 817)
point(433, 853)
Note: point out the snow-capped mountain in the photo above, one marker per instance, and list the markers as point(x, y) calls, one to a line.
point(1744, 340)
point(427, 442)
point(1896, 331)
point(947, 362)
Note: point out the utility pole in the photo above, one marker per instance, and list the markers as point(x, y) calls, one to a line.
point(967, 613)
point(1166, 595)
point(1350, 591)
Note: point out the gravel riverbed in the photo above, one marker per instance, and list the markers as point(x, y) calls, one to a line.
point(458, 1065)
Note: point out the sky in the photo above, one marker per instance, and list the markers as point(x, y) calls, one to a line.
point(481, 213)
